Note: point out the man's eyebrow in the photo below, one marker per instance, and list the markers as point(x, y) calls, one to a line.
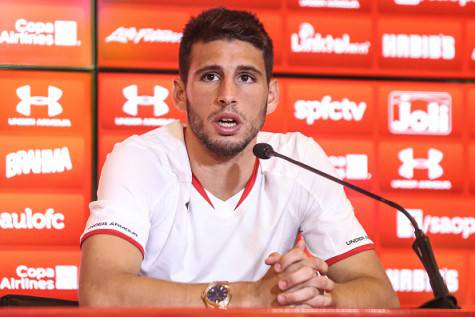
point(249, 68)
point(209, 68)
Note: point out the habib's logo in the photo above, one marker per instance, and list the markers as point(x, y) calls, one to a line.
point(416, 280)
point(461, 3)
point(60, 277)
point(419, 46)
point(307, 40)
point(38, 161)
point(28, 105)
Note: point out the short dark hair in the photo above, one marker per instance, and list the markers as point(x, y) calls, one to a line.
point(221, 23)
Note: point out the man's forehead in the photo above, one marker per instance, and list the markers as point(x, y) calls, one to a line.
point(226, 53)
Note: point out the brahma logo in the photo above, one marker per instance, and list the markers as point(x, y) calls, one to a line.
point(351, 166)
point(328, 109)
point(57, 33)
point(463, 226)
point(337, 4)
point(133, 35)
point(309, 41)
point(28, 220)
point(419, 46)
point(461, 3)
point(27, 102)
point(436, 119)
point(134, 101)
point(417, 280)
point(61, 277)
point(431, 164)
point(38, 161)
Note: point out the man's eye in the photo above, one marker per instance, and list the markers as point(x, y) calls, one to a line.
point(247, 78)
point(210, 77)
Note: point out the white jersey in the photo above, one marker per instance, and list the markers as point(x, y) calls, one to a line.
point(148, 196)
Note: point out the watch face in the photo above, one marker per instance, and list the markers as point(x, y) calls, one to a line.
point(217, 293)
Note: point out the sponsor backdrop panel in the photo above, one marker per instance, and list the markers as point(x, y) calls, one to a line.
point(136, 102)
point(349, 6)
point(41, 219)
point(324, 41)
point(46, 33)
point(49, 272)
point(420, 109)
point(411, 282)
point(471, 110)
point(420, 43)
point(44, 162)
point(471, 166)
point(47, 103)
point(317, 107)
point(449, 223)
point(353, 160)
point(444, 7)
point(420, 166)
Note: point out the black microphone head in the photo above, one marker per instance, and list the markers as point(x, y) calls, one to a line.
point(263, 151)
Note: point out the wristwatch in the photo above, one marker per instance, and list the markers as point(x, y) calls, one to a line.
point(217, 295)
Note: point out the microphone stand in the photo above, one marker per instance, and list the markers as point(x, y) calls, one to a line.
point(421, 245)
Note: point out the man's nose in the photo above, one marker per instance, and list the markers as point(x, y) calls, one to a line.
point(227, 92)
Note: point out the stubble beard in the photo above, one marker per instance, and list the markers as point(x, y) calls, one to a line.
point(224, 148)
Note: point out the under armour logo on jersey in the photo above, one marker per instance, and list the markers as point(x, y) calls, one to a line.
point(431, 163)
point(134, 100)
point(27, 100)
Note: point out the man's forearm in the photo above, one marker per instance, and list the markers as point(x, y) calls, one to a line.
point(364, 292)
point(131, 290)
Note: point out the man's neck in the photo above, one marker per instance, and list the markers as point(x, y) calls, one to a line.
point(222, 176)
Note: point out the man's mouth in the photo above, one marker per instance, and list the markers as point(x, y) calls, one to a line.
point(227, 122)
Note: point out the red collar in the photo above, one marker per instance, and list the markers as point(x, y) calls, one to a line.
point(250, 183)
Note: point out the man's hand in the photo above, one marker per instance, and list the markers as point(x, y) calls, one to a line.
point(301, 279)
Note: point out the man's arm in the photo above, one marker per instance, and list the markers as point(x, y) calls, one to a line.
point(357, 281)
point(109, 276)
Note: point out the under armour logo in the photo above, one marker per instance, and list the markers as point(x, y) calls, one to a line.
point(432, 163)
point(27, 100)
point(157, 100)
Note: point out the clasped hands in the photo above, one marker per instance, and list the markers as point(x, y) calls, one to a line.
point(299, 280)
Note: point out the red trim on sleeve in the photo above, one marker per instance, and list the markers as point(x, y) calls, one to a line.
point(250, 183)
point(354, 251)
point(196, 183)
point(114, 233)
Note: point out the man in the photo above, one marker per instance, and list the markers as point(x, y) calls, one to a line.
point(189, 217)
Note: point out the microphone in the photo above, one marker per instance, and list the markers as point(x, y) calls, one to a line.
point(421, 245)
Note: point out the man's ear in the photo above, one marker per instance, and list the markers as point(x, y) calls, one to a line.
point(273, 96)
point(179, 94)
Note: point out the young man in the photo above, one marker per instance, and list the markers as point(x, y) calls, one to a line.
point(182, 210)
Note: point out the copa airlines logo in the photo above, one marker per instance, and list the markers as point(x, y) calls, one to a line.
point(351, 166)
point(38, 161)
point(416, 280)
point(329, 109)
point(419, 46)
point(133, 35)
point(444, 225)
point(431, 163)
point(134, 101)
point(28, 220)
point(461, 3)
point(60, 277)
point(28, 104)
point(309, 41)
point(57, 33)
point(337, 4)
point(435, 119)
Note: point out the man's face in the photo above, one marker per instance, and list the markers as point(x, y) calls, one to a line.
point(227, 94)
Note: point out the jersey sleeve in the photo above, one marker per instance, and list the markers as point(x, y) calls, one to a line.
point(330, 228)
point(124, 199)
